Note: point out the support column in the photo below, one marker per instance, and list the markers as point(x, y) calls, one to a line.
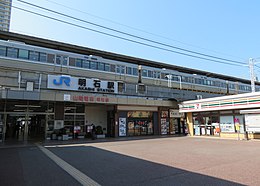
point(190, 123)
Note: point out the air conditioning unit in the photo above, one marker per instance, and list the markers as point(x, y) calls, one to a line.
point(198, 96)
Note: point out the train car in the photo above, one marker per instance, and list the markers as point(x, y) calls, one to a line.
point(96, 66)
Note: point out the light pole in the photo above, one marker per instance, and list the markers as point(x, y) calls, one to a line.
point(252, 74)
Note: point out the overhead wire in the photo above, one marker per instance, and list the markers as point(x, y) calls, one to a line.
point(134, 28)
point(131, 35)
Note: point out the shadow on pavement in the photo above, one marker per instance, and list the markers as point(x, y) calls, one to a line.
point(109, 168)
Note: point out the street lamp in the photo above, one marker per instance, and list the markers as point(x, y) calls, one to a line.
point(139, 73)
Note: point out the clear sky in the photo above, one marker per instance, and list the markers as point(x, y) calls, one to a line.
point(223, 28)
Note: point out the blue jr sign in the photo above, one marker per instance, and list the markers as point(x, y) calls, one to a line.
point(62, 79)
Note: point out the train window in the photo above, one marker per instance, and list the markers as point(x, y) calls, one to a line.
point(209, 82)
point(113, 68)
point(156, 74)
point(135, 71)
point(12, 52)
point(50, 58)
point(150, 73)
point(107, 67)
point(198, 81)
point(61, 60)
point(176, 78)
point(93, 65)
point(78, 63)
point(144, 73)
point(72, 61)
point(34, 56)
point(231, 86)
point(23, 54)
point(43, 57)
point(163, 76)
point(2, 51)
point(223, 85)
point(129, 70)
point(85, 63)
point(101, 66)
point(120, 69)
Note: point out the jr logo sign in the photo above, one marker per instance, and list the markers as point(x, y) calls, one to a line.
point(62, 79)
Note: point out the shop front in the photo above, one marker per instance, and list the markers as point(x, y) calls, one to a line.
point(172, 122)
point(137, 121)
point(233, 116)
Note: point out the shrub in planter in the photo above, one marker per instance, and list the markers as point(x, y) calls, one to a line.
point(99, 130)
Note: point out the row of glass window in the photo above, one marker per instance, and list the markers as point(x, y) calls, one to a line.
point(95, 65)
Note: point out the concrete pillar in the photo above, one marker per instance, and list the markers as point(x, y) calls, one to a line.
point(190, 123)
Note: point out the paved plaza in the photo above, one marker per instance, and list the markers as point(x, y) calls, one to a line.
point(157, 161)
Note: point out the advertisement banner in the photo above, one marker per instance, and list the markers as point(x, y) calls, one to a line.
point(122, 126)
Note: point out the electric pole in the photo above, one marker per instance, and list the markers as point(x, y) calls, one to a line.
point(252, 74)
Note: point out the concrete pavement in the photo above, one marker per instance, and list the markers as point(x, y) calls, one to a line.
point(160, 161)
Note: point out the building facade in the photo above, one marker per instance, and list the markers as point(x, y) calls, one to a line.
point(235, 116)
point(51, 90)
point(5, 14)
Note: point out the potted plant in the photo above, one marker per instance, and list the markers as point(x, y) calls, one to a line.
point(99, 132)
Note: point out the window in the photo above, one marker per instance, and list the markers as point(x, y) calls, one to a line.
point(101, 66)
point(61, 60)
point(121, 87)
point(85, 64)
point(157, 75)
point(2, 51)
point(93, 65)
point(43, 57)
point(23, 54)
point(135, 71)
point(72, 61)
point(50, 58)
point(12, 52)
point(227, 124)
point(150, 73)
point(113, 68)
point(78, 63)
point(120, 69)
point(144, 73)
point(129, 70)
point(34, 56)
point(107, 67)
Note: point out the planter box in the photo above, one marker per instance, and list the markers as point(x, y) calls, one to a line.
point(100, 136)
point(65, 137)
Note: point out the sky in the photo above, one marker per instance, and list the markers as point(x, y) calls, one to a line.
point(220, 28)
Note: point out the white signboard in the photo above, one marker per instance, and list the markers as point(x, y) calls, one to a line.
point(62, 82)
point(58, 124)
point(252, 122)
point(66, 97)
point(65, 82)
point(176, 114)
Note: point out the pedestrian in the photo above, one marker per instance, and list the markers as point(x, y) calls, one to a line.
point(93, 131)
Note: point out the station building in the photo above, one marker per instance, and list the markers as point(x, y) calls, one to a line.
point(51, 90)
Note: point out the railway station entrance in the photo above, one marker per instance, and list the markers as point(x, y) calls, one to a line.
point(23, 120)
point(24, 127)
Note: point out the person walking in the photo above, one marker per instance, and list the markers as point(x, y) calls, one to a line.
point(93, 133)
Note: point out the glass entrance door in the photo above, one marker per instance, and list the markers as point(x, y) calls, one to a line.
point(23, 127)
